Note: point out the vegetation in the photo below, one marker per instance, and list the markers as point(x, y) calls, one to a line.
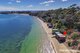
point(68, 17)
point(74, 36)
point(69, 44)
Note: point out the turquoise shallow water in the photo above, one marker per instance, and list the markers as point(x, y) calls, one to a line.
point(33, 43)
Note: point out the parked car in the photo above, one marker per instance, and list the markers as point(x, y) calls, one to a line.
point(49, 25)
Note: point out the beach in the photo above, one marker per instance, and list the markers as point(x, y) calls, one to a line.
point(49, 35)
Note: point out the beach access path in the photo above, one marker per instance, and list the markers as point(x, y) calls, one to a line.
point(57, 47)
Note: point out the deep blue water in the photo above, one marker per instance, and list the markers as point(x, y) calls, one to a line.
point(13, 29)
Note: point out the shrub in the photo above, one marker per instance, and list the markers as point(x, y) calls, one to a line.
point(74, 43)
point(69, 44)
point(74, 36)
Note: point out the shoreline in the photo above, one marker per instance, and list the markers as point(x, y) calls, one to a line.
point(46, 45)
point(37, 41)
point(44, 26)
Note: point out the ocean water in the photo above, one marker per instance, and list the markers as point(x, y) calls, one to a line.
point(13, 29)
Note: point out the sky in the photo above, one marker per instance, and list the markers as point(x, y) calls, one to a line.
point(19, 5)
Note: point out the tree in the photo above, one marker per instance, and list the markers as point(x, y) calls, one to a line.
point(69, 22)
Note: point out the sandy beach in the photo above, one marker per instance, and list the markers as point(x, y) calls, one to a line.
point(48, 32)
